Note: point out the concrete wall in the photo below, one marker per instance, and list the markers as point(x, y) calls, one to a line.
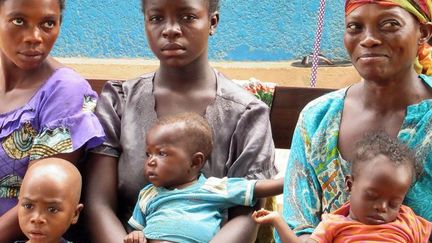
point(250, 30)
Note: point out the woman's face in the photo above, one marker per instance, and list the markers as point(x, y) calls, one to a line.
point(178, 31)
point(28, 31)
point(381, 41)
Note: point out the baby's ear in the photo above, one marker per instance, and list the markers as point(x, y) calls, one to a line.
point(77, 212)
point(198, 160)
point(348, 182)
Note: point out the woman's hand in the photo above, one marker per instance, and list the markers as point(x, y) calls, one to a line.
point(9, 226)
point(136, 236)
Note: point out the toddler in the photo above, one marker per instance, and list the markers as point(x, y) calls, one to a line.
point(181, 205)
point(381, 174)
point(49, 200)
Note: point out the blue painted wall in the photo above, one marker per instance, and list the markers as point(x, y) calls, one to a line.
point(250, 30)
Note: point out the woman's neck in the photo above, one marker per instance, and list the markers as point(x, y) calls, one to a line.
point(12, 77)
point(196, 75)
point(393, 95)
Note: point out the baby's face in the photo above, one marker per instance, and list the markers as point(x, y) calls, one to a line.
point(378, 190)
point(168, 164)
point(46, 209)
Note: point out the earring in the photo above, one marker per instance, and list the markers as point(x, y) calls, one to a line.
point(211, 32)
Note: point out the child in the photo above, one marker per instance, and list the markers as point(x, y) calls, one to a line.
point(381, 174)
point(49, 200)
point(178, 33)
point(181, 205)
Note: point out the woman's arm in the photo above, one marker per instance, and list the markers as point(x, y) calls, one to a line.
point(240, 226)
point(251, 155)
point(302, 192)
point(9, 226)
point(101, 199)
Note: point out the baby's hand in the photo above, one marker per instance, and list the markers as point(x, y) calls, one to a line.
point(263, 216)
point(136, 236)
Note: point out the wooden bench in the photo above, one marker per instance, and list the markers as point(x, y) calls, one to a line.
point(286, 107)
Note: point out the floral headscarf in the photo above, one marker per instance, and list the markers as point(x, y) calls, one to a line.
point(422, 9)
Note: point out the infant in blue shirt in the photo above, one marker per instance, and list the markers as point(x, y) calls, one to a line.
point(180, 204)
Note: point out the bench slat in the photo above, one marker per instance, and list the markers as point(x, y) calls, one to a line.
point(97, 84)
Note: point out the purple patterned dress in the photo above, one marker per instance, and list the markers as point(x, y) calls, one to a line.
point(57, 119)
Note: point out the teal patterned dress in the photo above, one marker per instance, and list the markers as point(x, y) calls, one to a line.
point(315, 173)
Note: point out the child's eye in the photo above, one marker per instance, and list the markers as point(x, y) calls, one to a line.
point(162, 154)
point(394, 204)
point(27, 205)
point(52, 209)
point(147, 154)
point(371, 196)
point(49, 24)
point(18, 21)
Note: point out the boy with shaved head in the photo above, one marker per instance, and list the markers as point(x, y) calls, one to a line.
point(49, 200)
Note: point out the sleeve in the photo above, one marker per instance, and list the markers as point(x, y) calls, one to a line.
point(302, 191)
point(137, 221)
point(241, 191)
point(66, 118)
point(232, 191)
point(323, 232)
point(252, 144)
point(109, 111)
point(420, 227)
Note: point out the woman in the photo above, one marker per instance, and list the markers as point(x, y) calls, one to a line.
point(178, 34)
point(45, 108)
point(387, 43)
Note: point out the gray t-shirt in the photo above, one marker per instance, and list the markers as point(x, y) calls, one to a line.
point(243, 144)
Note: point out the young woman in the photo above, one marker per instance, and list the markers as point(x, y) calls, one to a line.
point(177, 33)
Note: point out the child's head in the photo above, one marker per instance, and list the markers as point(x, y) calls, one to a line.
point(381, 174)
point(178, 31)
point(49, 200)
point(28, 30)
point(177, 147)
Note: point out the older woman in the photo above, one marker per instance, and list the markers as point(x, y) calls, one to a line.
point(387, 43)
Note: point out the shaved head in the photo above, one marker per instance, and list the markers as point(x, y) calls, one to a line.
point(58, 171)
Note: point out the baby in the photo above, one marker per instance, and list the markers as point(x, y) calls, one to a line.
point(381, 174)
point(181, 204)
point(49, 200)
